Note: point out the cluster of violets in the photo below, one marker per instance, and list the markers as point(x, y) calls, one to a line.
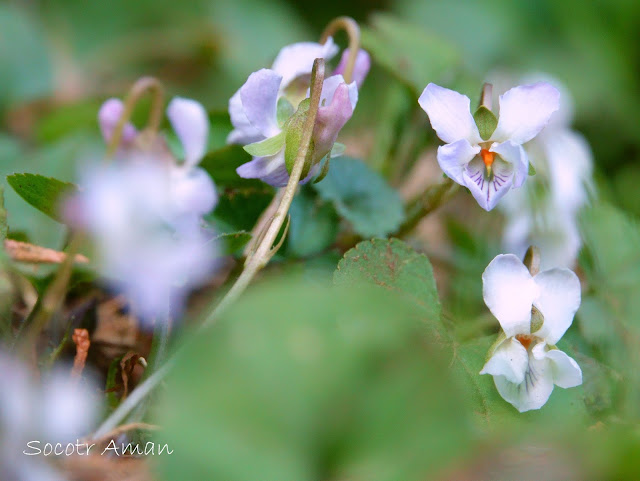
point(145, 210)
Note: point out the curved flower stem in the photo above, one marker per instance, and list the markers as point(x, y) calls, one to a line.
point(430, 200)
point(350, 26)
point(142, 86)
point(263, 252)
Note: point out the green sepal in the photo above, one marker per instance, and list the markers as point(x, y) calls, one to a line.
point(537, 320)
point(294, 129)
point(499, 340)
point(324, 171)
point(338, 150)
point(267, 147)
point(486, 122)
point(284, 111)
point(532, 169)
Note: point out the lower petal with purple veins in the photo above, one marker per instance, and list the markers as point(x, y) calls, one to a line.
point(488, 187)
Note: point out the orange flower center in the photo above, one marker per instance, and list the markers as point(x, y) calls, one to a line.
point(525, 340)
point(487, 158)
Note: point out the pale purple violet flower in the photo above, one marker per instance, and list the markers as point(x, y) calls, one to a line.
point(260, 108)
point(144, 213)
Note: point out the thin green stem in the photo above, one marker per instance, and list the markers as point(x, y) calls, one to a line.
point(430, 200)
point(50, 301)
point(350, 26)
point(263, 252)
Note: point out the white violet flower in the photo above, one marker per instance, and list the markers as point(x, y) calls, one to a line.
point(534, 313)
point(483, 153)
point(144, 212)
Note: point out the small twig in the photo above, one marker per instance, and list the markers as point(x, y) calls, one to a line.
point(25, 252)
point(80, 338)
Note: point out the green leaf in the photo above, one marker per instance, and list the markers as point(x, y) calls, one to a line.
point(221, 165)
point(486, 122)
point(532, 169)
point(610, 312)
point(408, 52)
point(394, 266)
point(362, 197)
point(43, 193)
point(267, 147)
point(314, 224)
point(306, 382)
point(239, 210)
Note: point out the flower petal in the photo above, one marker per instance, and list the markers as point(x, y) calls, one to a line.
point(570, 166)
point(558, 300)
point(331, 118)
point(516, 156)
point(297, 59)
point(243, 132)
point(271, 170)
point(454, 157)
point(108, 118)
point(524, 111)
point(566, 372)
point(191, 124)
point(360, 68)
point(510, 360)
point(192, 192)
point(259, 96)
point(488, 190)
point(509, 290)
point(450, 114)
point(533, 392)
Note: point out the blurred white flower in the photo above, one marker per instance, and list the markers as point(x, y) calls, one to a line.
point(544, 212)
point(492, 164)
point(144, 212)
point(145, 247)
point(56, 409)
point(525, 363)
